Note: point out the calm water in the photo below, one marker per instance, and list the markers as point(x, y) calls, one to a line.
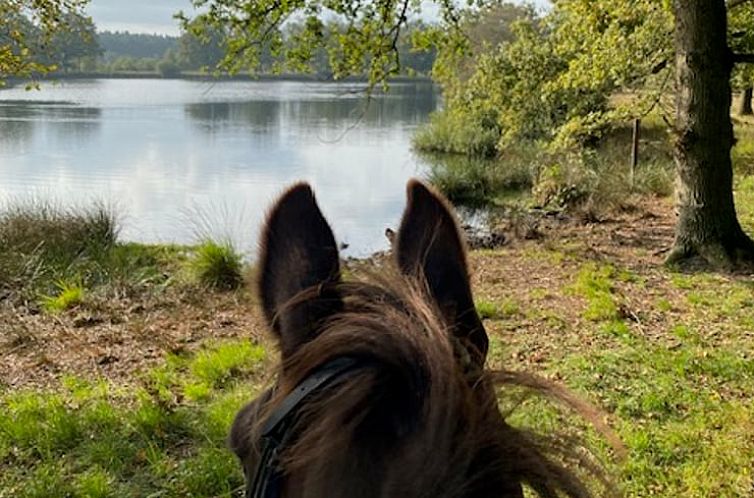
point(181, 157)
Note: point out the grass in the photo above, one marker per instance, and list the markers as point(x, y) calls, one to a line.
point(41, 243)
point(676, 380)
point(668, 355)
point(217, 265)
point(68, 296)
point(473, 181)
point(489, 310)
point(595, 284)
point(457, 133)
point(89, 438)
point(51, 257)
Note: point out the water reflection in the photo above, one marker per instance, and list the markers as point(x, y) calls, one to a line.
point(67, 121)
point(162, 149)
point(212, 117)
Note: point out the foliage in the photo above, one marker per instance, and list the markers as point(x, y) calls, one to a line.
point(74, 45)
point(457, 132)
point(168, 69)
point(217, 265)
point(201, 53)
point(590, 182)
point(27, 28)
point(741, 40)
point(366, 42)
point(550, 79)
point(476, 182)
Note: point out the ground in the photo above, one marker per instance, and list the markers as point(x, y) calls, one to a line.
point(135, 399)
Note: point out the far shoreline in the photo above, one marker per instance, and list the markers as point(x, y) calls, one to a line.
point(197, 76)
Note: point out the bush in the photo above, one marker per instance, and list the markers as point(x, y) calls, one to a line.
point(655, 178)
point(168, 69)
point(474, 182)
point(217, 265)
point(592, 183)
point(458, 133)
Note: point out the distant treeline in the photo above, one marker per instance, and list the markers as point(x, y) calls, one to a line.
point(83, 50)
point(137, 45)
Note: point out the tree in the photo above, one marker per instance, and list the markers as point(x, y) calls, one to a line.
point(202, 52)
point(143, 46)
point(368, 44)
point(21, 18)
point(70, 46)
point(707, 224)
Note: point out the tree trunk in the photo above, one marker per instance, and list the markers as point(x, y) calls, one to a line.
point(745, 109)
point(707, 224)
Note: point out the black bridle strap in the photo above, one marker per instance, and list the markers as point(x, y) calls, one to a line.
point(276, 430)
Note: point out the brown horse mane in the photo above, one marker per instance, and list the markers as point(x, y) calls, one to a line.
point(415, 407)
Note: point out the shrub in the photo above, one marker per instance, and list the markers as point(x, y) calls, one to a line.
point(458, 133)
point(470, 181)
point(591, 182)
point(655, 178)
point(217, 265)
point(168, 69)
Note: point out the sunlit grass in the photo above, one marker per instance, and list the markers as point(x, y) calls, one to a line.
point(67, 296)
point(99, 439)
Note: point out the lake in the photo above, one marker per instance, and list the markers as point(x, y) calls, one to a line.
point(181, 159)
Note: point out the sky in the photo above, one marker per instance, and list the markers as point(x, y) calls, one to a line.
point(137, 16)
point(149, 16)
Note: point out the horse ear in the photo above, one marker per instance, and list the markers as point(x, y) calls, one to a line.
point(298, 253)
point(429, 246)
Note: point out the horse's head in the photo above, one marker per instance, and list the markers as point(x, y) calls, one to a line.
point(382, 390)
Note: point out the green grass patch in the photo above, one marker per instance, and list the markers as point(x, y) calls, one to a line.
point(217, 265)
point(487, 310)
point(68, 295)
point(596, 284)
point(99, 439)
point(680, 411)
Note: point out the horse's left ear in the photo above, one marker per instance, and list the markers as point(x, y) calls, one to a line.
point(429, 246)
point(298, 255)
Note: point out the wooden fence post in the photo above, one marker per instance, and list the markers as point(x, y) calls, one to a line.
point(635, 150)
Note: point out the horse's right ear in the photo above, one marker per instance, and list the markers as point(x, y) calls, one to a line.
point(429, 246)
point(298, 254)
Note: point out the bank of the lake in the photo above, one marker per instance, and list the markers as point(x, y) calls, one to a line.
point(181, 156)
